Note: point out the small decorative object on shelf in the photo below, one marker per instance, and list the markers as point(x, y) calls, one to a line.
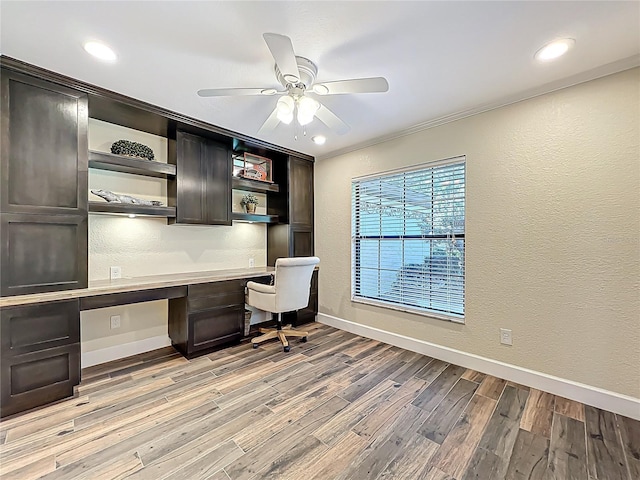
point(120, 198)
point(249, 203)
point(132, 149)
point(253, 167)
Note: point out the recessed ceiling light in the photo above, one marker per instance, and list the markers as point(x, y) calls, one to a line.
point(555, 49)
point(319, 139)
point(100, 51)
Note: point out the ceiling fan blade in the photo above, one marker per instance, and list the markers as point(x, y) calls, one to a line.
point(270, 123)
point(331, 120)
point(232, 92)
point(356, 85)
point(282, 50)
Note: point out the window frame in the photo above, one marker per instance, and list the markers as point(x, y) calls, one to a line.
point(355, 255)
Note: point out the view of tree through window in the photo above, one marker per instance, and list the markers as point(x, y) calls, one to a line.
point(408, 238)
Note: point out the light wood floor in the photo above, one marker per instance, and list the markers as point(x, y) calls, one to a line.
point(339, 406)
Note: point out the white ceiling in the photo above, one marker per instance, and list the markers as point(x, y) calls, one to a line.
point(441, 59)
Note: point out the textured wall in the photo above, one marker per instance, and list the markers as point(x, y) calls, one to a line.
point(553, 218)
point(148, 246)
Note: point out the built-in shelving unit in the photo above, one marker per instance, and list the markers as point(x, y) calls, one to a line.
point(132, 209)
point(254, 186)
point(136, 166)
point(252, 217)
point(51, 122)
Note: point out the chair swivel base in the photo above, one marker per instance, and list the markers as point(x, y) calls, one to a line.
point(282, 334)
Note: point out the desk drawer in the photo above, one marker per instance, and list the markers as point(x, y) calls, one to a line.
point(216, 288)
point(214, 301)
point(32, 328)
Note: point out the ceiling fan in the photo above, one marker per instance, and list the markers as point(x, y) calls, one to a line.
point(297, 75)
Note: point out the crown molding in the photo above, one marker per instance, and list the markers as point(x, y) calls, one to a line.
point(593, 74)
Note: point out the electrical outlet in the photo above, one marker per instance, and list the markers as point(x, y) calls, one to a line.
point(115, 272)
point(505, 336)
point(252, 262)
point(115, 321)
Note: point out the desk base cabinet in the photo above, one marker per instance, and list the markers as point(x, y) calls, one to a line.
point(40, 354)
point(211, 315)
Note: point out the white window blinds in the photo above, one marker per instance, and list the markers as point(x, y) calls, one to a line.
point(408, 239)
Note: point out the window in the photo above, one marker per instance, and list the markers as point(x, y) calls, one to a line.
point(408, 239)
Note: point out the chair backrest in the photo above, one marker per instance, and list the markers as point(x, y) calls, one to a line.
point(293, 281)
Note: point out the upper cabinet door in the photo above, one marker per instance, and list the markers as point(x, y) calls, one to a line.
point(300, 192)
point(202, 189)
point(44, 147)
point(190, 192)
point(219, 168)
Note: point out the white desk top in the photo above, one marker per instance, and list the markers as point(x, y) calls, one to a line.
point(104, 287)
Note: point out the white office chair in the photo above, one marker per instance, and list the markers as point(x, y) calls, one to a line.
point(289, 292)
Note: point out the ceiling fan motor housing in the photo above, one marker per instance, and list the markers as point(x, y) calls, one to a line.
point(308, 72)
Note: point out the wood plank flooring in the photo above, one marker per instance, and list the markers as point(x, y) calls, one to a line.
point(336, 407)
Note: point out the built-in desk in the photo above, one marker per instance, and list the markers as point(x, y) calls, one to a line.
point(102, 288)
point(40, 333)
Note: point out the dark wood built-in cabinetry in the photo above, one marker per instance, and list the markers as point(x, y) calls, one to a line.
point(40, 354)
point(300, 196)
point(44, 215)
point(43, 190)
point(294, 236)
point(201, 191)
point(212, 314)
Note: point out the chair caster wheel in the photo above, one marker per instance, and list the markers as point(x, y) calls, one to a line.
point(303, 339)
point(255, 345)
point(286, 349)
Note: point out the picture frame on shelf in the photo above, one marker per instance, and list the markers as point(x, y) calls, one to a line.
point(253, 167)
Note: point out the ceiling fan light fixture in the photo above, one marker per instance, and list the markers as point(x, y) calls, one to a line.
point(320, 89)
point(554, 49)
point(304, 119)
point(285, 105)
point(285, 118)
point(298, 76)
point(307, 106)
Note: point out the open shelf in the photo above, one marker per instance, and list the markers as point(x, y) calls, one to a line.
point(137, 166)
point(131, 209)
point(252, 217)
point(253, 185)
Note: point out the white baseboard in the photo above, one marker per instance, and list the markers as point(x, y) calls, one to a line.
point(96, 357)
point(594, 396)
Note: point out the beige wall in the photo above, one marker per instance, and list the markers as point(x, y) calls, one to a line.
point(552, 226)
point(147, 246)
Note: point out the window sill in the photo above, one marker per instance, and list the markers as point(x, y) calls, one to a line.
point(417, 311)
